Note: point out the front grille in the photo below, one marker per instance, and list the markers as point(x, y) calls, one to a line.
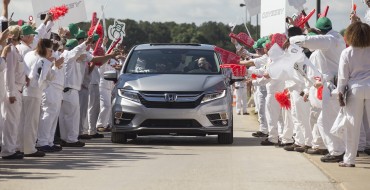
point(192, 100)
point(171, 123)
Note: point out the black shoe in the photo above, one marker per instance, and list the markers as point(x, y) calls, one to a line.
point(317, 151)
point(331, 158)
point(281, 145)
point(302, 148)
point(75, 144)
point(102, 129)
point(85, 136)
point(97, 135)
point(267, 143)
point(14, 156)
point(45, 148)
point(246, 113)
point(291, 147)
point(57, 148)
point(259, 134)
point(35, 154)
point(367, 151)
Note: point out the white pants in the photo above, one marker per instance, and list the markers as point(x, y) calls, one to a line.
point(84, 100)
point(317, 142)
point(50, 109)
point(364, 133)
point(273, 112)
point(304, 132)
point(241, 100)
point(105, 107)
point(358, 99)
point(256, 95)
point(2, 113)
point(11, 125)
point(29, 124)
point(69, 117)
point(287, 134)
point(330, 110)
point(94, 106)
point(261, 99)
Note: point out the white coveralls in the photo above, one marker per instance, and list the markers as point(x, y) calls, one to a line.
point(105, 91)
point(331, 45)
point(84, 100)
point(241, 97)
point(2, 96)
point(50, 108)
point(40, 71)
point(94, 104)
point(354, 72)
point(14, 81)
point(69, 117)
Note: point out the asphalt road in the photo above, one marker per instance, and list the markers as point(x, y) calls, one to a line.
point(168, 163)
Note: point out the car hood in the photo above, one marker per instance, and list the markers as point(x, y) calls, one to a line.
point(171, 82)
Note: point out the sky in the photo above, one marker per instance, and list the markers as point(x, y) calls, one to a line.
point(191, 11)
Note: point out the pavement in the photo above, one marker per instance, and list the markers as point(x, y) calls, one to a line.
point(168, 162)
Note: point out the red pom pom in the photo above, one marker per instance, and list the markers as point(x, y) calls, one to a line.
point(58, 12)
point(254, 76)
point(283, 99)
point(319, 92)
point(99, 31)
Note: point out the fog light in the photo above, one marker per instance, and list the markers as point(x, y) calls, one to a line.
point(224, 116)
point(118, 115)
point(224, 122)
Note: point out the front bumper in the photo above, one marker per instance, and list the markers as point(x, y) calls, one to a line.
point(139, 115)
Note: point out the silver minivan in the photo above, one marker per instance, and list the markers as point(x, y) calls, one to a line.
point(171, 89)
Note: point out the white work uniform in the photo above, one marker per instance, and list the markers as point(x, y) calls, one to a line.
point(94, 104)
point(50, 108)
point(354, 70)
point(241, 97)
point(69, 117)
point(40, 71)
point(14, 81)
point(331, 45)
point(2, 96)
point(84, 100)
point(105, 91)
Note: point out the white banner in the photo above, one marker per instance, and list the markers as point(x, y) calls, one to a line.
point(253, 6)
point(273, 15)
point(76, 11)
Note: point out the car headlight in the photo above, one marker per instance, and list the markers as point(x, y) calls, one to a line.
point(214, 96)
point(129, 94)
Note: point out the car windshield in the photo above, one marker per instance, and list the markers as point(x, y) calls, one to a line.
point(170, 61)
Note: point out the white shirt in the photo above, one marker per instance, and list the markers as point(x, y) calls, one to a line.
point(14, 74)
point(102, 82)
point(73, 74)
point(331, 44)
point(354, 68)
point(261, 61)
point(40, 71)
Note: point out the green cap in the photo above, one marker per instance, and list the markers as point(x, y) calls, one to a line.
point(81, 34)
point(266, 42)
point(96, 37)
point(323, 23)
point(259, 43)
point(71, 43)
point(311, 34)
point(73, 29)
point(27, 30)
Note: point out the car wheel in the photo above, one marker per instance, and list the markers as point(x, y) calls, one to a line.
point(118, 138)
point(226, 138)
point(132, 136)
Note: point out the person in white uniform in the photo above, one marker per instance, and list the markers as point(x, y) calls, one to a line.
point(14, 81)
point(41, 70)
point(331, 44)
point(3, 37)
point(50, 107)
point(353, 77)
point(69, 117)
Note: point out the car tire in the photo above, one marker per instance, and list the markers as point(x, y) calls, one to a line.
point(227, 138)
point(132, 136)
point(118, 138)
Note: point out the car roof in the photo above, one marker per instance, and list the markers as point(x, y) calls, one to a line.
point(174, 46)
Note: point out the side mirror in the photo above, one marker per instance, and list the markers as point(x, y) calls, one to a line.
point(110, 75)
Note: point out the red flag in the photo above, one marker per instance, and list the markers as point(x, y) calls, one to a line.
point(227, 57)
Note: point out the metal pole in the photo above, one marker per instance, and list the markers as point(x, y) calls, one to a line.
point(318, 8)
point(257, 26)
